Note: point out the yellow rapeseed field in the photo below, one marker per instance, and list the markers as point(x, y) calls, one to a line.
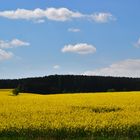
point(70, 115)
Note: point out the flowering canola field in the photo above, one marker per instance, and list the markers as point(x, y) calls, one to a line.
point(70, 115)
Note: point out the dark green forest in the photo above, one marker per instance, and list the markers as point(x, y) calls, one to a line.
point(71, 84)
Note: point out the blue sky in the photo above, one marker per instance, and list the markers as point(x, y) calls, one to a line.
point(93, 37)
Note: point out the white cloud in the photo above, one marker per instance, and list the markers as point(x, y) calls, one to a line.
point(126, 68)
point(5, 55)
point(74, 30)
point(56, 66)
point(137, 44)
point(81, 48)
point(57, 14)
point(61, 14)
point(102, 17)
point(39, 21)
point(12, 44)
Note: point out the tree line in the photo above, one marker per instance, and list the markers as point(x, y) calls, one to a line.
point(72, 84)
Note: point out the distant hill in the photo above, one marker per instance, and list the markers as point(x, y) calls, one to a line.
point(72, 84)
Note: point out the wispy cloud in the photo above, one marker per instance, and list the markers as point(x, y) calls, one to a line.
point(74, 30)
point(102, 17)
point(56, 66)
point(56, 14)
point(4, 55)
point(125, 68)
point(80, 48)
point(137, 44)
point(12, 44)
point(39, 21)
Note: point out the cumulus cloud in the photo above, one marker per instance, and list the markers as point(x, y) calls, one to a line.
point(81, 48)
point(74, 30)
point(137, 44)
point(61, 14)
point(5, 55)
point(56, 14)
point(56, 66)
point(12, 44)
point(125, 68)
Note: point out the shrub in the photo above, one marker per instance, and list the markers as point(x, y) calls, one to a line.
point(16, 91)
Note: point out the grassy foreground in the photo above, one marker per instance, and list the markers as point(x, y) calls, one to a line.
point(71, 116)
